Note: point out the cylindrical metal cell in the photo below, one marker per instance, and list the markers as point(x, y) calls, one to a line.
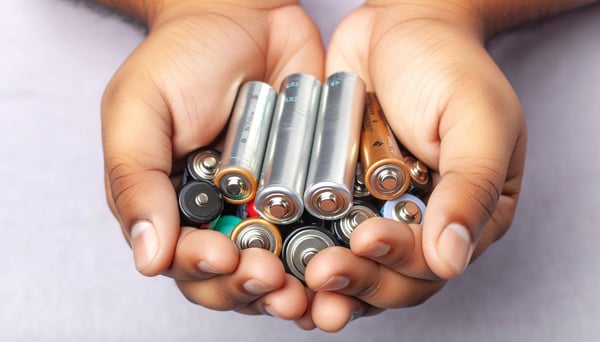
point(245, 142)
point(420, 178)
point(359, 212)
point(283, 176)
point(406, 208)
point(330, 181)
point(301, 245)
point(202, 164)
point(257, 233)
point(200, 202)
point(360, 189)
point(386, 174)
point(226, 224)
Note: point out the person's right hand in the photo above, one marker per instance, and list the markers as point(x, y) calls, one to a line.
point(173, 95)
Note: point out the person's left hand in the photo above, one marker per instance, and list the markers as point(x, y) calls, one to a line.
point(448, 103)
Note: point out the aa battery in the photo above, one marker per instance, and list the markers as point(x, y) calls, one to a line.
point(200, 202)
point(257, 233)
point(386, 174)
point(407, 208)
point(202, 164)
point(420, 178)
point(359, 212)
point(301, 245)
point(330, 181)
point(360, 189)
point(279, 197)
point(245, 142)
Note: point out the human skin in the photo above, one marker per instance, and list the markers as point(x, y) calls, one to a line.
point(443, 95)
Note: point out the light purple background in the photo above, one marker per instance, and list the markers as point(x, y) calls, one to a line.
point(67, 274)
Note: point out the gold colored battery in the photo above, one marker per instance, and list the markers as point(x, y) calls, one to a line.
point(257, 232)
point(386, 174)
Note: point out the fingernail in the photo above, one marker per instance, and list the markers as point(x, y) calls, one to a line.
point(206, 267)
point(144, 243)
point(257, 287)
point(269, 311)
point(335, 283)
point(454, 246)
point(377, 250)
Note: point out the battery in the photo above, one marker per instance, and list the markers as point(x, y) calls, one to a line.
point(281, 187)
point(407, 208)
point(420, 179)
point(202, 164)
point(360, 211)
point(330, 179)
point(301, 245)
point(257, 233)
point(386, 174)
point(200, 202)
point(226, 224)
point(360, 189)
point(245, 142)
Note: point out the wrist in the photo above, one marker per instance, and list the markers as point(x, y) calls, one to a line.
point(462, 14)
point(165, 10)
point(484, 17)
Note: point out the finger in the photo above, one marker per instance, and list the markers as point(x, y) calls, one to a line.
point(332, 311)
point(202, 254)
point(137, 155)
point(306, 322)
point(339, 270)
point(288, 302)
point(392, 244)
point(259, 272)
point(478, 141)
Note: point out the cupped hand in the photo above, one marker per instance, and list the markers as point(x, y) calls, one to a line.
point(173, 94)
point(448, 103)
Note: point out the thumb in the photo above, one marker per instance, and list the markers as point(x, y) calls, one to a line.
point(137, 155)
point(477, 143)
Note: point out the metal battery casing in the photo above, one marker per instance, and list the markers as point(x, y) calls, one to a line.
point(200, 202)
point(360, 211)
point(330, 180)
point(420, 178)
point(360, 189)
point(202, 164)
point(301, 245)
point(245, 142)
point(285, 165)
point(406, 208)
point(386, 173)
point(257, 233)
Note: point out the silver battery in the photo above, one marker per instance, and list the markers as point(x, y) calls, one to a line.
point(406, 208)
point(301, 245)
point(284, 169)
point(360, 189)
point(359, 212)
point(245, 142)
point(330, 181)
point(202, 164)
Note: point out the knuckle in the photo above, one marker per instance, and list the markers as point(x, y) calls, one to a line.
point(482, 193)
point(123, 181)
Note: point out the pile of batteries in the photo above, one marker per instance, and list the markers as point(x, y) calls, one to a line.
point(289, 180)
